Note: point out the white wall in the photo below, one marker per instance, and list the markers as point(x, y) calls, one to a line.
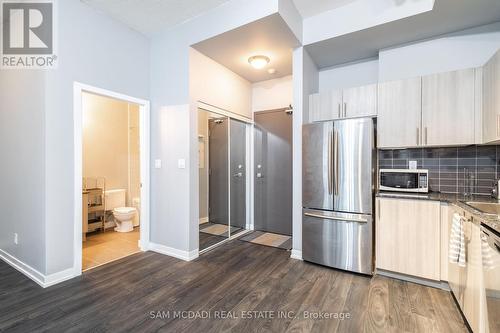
point(174, 201)
point(95, 50)
point(272, 94)
point(359, 15)
point(305, 82)
point(349, 75)
point(214, 84)
point(22, 171)
point(460, 50)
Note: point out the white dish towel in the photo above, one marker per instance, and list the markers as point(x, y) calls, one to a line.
point(456, 251)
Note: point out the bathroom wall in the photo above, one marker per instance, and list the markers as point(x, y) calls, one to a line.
point(446, 166)
point(134, 186)
point(111, 143)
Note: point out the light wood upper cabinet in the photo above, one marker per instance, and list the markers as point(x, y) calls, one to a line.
point(448, 108)
point(491, 100)
point(325, 106)
point(408, 237)
point(399, 113)
point(348, 103)
point(360, 101)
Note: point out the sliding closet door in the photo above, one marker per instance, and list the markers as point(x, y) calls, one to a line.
point(238, 175)
point(222, 177)
point(218, 207)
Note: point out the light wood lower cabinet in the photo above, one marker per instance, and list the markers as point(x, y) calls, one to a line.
point(408, 237)
point(467, 283)
point(445, 232)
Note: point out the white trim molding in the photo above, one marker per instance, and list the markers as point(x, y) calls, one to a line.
point(296, 254)
point(212, 108)
point(203, 219)
point(170, 251)
point(145, 146)
point(41, 279)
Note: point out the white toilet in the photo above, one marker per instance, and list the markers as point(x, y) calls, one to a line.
point(124, 216)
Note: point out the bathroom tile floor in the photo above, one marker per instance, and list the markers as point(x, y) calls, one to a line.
point(103, 247)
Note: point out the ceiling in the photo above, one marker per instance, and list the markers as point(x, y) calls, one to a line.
point(269, 36)
point(309, 8)
point(447, 16)
point(151, 16)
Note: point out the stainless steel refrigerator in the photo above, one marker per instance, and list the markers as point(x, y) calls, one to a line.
point(338, 182)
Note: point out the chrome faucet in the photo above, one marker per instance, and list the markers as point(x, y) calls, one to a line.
point(468, 182)
point(494, 191)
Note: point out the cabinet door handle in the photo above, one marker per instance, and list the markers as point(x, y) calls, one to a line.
point(418, 136)
point(426, 136)
point(339, 110)
point(498, 125)
point(345, 110)
point(378, 209)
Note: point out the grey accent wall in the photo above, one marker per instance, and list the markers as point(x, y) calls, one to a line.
point(448, 166)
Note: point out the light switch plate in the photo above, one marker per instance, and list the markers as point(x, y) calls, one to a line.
point(157, 164)
point(412, 165)
point(181, 163)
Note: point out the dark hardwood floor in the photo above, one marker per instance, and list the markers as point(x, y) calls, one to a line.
point(207, 240)
point(124, 295)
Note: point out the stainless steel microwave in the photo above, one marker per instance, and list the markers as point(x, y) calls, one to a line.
point(404, 180)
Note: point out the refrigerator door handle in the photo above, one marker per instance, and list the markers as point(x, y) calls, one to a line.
point(330, 176)
point(336, 161)
point(339, 219)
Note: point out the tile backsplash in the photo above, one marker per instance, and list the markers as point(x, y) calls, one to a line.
point(449, 166)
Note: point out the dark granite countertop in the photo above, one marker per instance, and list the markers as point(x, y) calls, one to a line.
point(459, 200)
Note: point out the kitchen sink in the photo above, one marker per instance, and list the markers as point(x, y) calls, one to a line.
point(486, 207)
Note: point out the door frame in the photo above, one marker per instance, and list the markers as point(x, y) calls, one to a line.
point(145, 147)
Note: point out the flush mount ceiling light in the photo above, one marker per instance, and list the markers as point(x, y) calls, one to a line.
point(258, 61)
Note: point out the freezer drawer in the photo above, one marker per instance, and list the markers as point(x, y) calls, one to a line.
point(339, 240)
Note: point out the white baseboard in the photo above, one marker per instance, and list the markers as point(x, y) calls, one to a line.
point(170, 251)
point(59, 277)
point(296, 254)
point(203, 220)
point(41, 279)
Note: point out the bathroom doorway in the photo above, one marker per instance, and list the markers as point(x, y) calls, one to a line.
point(111, 163)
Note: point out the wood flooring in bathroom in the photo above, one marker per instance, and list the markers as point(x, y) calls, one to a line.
point(103, 247)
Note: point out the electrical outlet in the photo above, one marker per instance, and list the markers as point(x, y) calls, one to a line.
point(16, 238)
